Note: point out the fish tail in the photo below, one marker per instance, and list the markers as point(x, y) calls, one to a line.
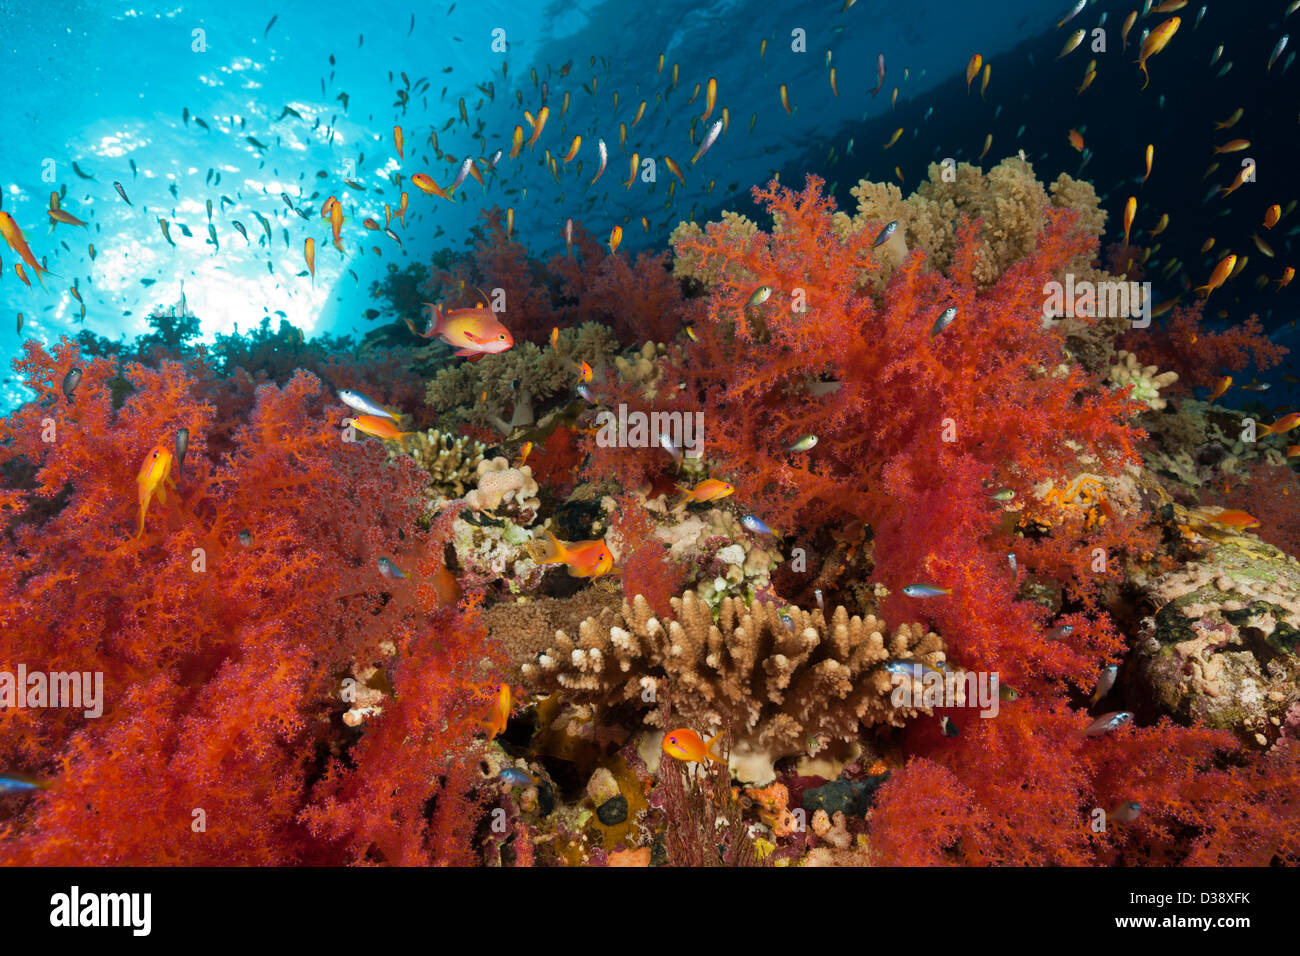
point(710, 752)
point(554, 552)
point(1142, 64)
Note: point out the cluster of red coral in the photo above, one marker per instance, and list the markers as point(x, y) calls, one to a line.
point(227, 632)
point(916, 430)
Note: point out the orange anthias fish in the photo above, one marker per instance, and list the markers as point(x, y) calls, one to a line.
point(585, 559)
point(379, 426)
point(309, 254)
point(1220, 275)
point(972, 69)
point(1224, 384)
point(615, 237)
point(1156, 42)
point(499, 716)
point(710, 489)
point(1130, 210)
point(539, 124)
point(398, 141)
point(1235, 519)
point(14, 236)
point(686, 745)
point(473, 331)
point(155, 475)
point(1076, 139)
point(1282, 425)
point(425, 184)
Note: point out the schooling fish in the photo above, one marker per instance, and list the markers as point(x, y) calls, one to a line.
point(389, 570)
point(686, 745)
point(182, 446)
point(1234, 518)
point(925, 590)
point(1282, 425)
point(1104, 683)
point(615, 237)
point(14, 236)
point(1108, 722)
point(70, 383)
point(151, 482)
point(1219, 276)
point(1154, 43)
point(885, 234)
point(709, 138)
point(909, 668)
point(710, 489)
point(585, 559)
point(383, 427)
point(944, 320)
point(364, 405)
point(17, 783)
point(121, 192)
point(755, 525)
point(499, 714)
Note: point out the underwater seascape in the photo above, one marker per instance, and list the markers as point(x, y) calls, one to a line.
point(696, 434)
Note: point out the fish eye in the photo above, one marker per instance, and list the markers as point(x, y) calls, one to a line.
point(501, 337)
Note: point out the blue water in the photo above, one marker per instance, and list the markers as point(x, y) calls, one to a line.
point(106, 84)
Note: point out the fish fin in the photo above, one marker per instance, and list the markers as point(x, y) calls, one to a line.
point(554, 552)
point(1263, 430)
point(468, 352)
point(161, 493)
point(437, 326)
point(709, 751)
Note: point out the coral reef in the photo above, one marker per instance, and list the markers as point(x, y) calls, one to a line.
point(1142, 382)
point(770, 676)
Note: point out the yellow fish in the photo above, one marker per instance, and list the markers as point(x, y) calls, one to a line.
point(153, 479)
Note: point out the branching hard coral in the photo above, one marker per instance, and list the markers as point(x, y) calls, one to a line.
point(770, 676)
point(450, 462)
point(1142, 382)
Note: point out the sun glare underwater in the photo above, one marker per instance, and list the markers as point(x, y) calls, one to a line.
point(590, 434)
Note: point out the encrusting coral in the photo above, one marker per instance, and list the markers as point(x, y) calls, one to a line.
point(770, 676)
point(500, 486)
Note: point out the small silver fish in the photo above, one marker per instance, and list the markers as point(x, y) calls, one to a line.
point(885, 234)
point(517, 778)
point(364, 405)
point(804, 443)
point(787, 620)
point(1218, 52)
point(761, 295)
point(1104, 683)
point(604, 158)
point(1011, 561)
point(752, 524)
point(1003, 494)
point(70, 382)
point(182, 445)
point(666, 443)
point(568, 237)
point(944, 320)
point(1056, 633)
point(1277, 51)
point(460, 176)
point(925, 590)
point(14, 783)
point(496, 158)
point(1108, 722)
point(709, 138)
point(910, 668)
point(121, 192)
point(392, 235)
point(585, 392)
point(1071, 13)
point(390, 570)
point(246, 538)
point(821, 603)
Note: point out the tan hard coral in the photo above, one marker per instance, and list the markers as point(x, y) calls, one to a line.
point(772, 676)
point(451, 462)
point(499, 486)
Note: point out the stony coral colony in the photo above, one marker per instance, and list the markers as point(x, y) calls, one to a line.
point(330, 651)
